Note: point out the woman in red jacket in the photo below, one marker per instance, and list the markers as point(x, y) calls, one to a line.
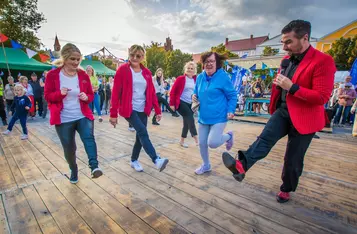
point(181, 100)
point(68, 92)
point(134, 96)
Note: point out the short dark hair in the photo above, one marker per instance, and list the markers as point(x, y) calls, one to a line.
point(220, 58)
point(300, 27)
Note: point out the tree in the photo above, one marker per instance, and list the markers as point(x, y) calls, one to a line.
point(20, 21)
point(175, 62)
point(199, 68)
point(155, 56)
point(268, 51)
point(221, 49)
point(344, 52)
point(109, 63)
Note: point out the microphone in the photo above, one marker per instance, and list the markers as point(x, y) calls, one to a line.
point(284, 64)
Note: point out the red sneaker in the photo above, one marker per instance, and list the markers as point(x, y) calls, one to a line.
point(235, 166)
point(282, 197)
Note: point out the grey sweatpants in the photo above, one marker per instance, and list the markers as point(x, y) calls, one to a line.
point(211, 136)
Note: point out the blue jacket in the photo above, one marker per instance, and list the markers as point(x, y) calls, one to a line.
point(19, 105)
point(217, 97)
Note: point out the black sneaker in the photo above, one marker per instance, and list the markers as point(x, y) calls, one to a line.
point(235, 166)
point(175, 114)
point(155, 123)
point(74, 177)
point(97, 172)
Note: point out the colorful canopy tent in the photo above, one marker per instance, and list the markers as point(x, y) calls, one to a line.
point(100, 68)
point(18, 60)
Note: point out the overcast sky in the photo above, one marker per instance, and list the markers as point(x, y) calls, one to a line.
point(193, 25)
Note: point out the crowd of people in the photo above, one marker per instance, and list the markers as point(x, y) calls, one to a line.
point(299, 96)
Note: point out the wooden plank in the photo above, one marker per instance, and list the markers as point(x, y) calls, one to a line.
point(94, 216)
point(169, 208)
point(113, 208)
point(4, 225)
point(7, 180)
point(67, 219)
point(42, 214)
point(222, 213)
point(151, 216)
point(20, 216)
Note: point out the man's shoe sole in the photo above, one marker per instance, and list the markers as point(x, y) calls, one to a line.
point(230, 163)
point(97, 174)
point(164, 165)
point(280, 200)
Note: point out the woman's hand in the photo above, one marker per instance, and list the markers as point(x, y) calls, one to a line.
point(64, 91)
point(353, 110)
point(83, 96)
point(194, 98)
point(113, 121)
point(230, 115)
point(27, 108)
point(158, 118)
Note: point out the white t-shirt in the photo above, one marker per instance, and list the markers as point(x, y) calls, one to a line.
point(186, 95)
point(71, 107)
point(139, 89)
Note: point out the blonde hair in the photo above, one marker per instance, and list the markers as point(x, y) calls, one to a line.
point(188, 64)
point(136, 48)
point(19, 86)
point(93, 71)
point(162, 75)
point(66, 52)
point(22, 78)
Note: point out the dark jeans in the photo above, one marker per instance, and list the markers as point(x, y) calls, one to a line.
point(188, 119)
point(346, 111)
point(45, 107)
point(67, 132)
point(278, 126)
point(139, 120)
point(96, 104)
point(161, 101)
point(22, 119)
point(8, 105)
point(2, 109)
point(102, 98)
point(39, 103)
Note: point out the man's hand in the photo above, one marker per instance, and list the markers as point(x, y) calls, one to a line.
point(158, 118)
point(283, 81)
point(27, 108)
point(113, 121)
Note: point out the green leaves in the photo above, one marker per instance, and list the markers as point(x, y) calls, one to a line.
point(268, 51)
point(344, 52)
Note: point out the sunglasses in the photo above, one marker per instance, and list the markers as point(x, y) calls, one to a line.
point(136, 56)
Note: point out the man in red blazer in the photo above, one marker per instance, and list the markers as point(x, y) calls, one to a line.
point(299, 93)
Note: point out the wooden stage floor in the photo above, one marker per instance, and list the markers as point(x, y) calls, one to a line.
point(36, 196)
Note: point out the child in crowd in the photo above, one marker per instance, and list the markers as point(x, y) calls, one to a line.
point(21, 105)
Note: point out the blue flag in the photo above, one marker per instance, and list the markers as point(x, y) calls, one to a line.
point(88, 57)
point(264, 66)
point(244, 56)
point(271, 72)
point(353, 72)
point(52, 56)
point(1, 73)
point(253, 68)
point(16, 45)
point(263, 77)
point(18, 75)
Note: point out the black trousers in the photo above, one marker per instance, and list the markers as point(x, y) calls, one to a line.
point(2, 109)
point(162, 100)
point(8, 105)
point(188, 119)
point(278, 126)
point(38, 102)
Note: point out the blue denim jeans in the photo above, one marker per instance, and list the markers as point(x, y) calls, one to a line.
point(96, 104)
point(67, 132)
point(339, 114)
point(139, 121)
point(22, 119)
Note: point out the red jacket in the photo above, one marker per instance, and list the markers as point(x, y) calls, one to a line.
point(122, 94)
point(55, 99)
point(177, 89)
point(315, 77)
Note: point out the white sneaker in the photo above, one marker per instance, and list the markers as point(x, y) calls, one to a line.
point(136, 165)
point(184, 145)
point(24, 137)
point(161, 163)
point(7, 132)
point(131, 129)
point(203, 169)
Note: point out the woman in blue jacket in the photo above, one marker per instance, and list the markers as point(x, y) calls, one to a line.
point(218, 99)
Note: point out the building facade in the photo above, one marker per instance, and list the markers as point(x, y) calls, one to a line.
point(245, 47)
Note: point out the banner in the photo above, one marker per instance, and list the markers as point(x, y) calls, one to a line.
point(30, 53)
point(353, 72)
point(253, 68)
point(44, 57)
point(16, 45)
point(264, 66)
point(3, 38)
point(237, 77)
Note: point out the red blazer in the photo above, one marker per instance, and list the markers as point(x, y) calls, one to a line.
point(177, 89)
point(122, 94)
point(54, 97)
point(315, 77)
